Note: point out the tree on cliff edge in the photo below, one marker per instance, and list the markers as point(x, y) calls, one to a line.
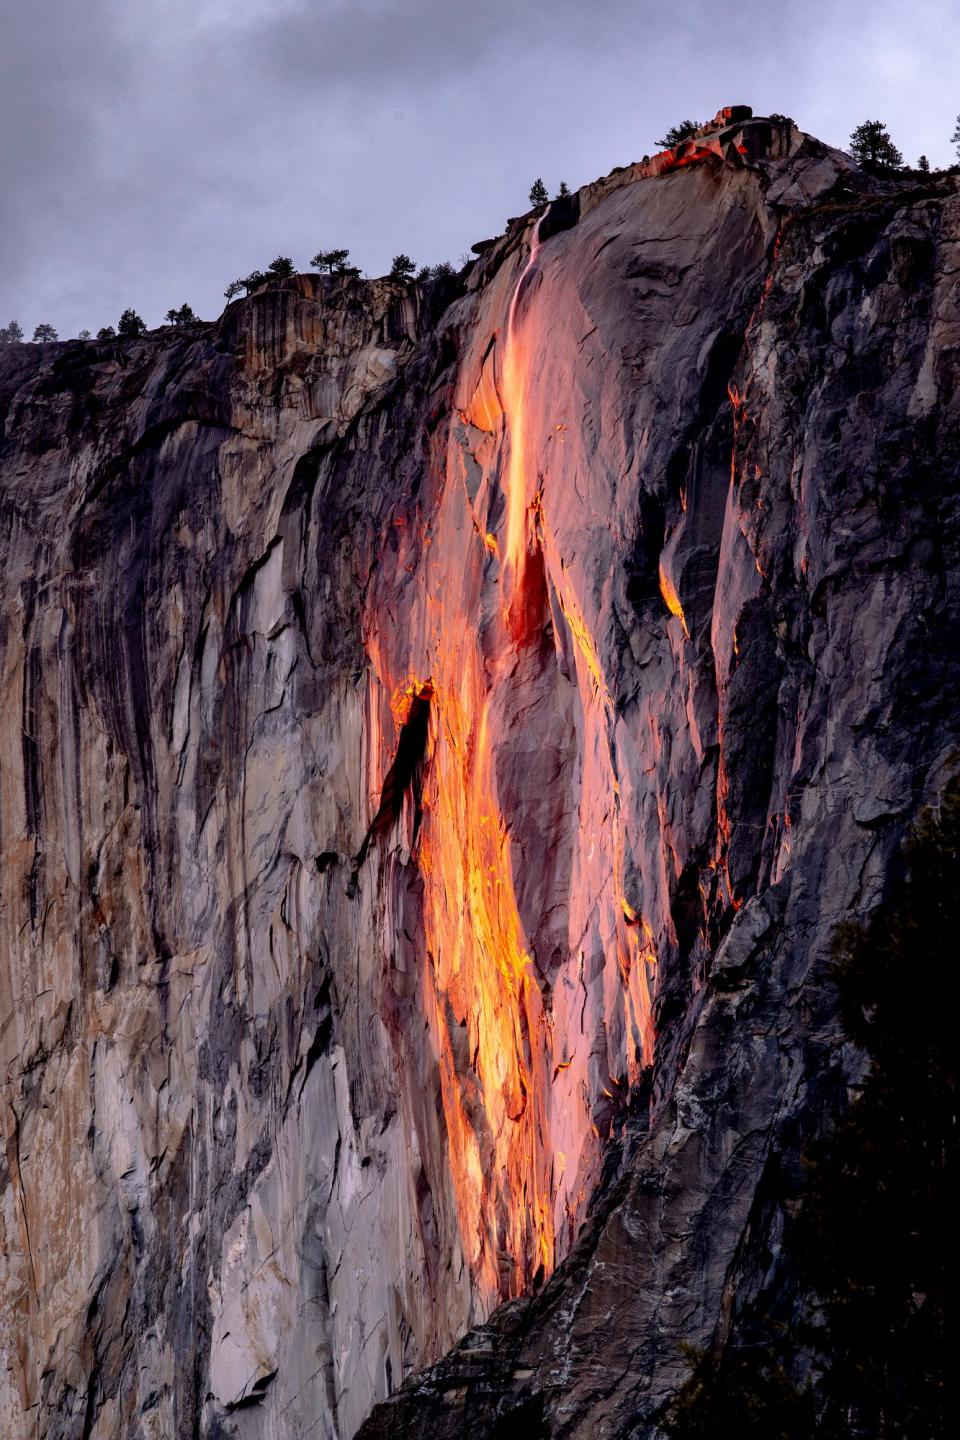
point(955, 137)
point(131, 325)
point(331, 262)
point(538, 193)
point(678, 133)
point(11, 334)
point(402, 268)
point(872, 147)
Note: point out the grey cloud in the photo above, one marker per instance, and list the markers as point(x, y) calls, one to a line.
point(153, 150)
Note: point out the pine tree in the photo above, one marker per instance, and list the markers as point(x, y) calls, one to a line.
point(333, 262)
point(130, 325)
point(871, 147)
point(923, 165)
point(183, 316)
point(282, 268)
point(564, 190)
point(106, 332)
point(955, 137)
point(402, 267)
point(11, 334)
point(678, 133)
point(44, 334)
point(538, 193)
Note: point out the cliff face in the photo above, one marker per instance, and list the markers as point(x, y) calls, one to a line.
point(439, 741)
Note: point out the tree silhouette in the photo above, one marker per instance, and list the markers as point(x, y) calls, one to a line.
point(233, 290)
point(955, 137)
point(564, 190)
point(402, 267)
point(84, 335)
point(872, 147)
point(333, 262)
point(183, 316)
point(130, 325)
point(44, 334)
point(678, 133)
point(106, 332)
point(282, 268)
point(538, 193)
point(923, 164)
point(11, 334)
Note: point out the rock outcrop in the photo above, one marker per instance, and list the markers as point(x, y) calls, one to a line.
point(444, 725)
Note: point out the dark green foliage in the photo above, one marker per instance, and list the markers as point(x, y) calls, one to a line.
point(233, 290)
point(44, 334)
point(923, 164)
point(282, 268)
point(874, 1230)
point(402, 268)
point(130, 324)
point(871, 1242)
point(678, 133)
point(779, 119)
point(254, 280)
point(11, 334)
point(747, 1394)
point(871, 147)
point(334, 262)
point(538, 193)
point(442, 271)
point(106, 332)
point(183, 316)
point(564, 190)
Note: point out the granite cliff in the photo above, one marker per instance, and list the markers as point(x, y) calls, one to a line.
point(443, 726)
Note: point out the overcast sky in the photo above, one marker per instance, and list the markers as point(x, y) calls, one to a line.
point(152, 150)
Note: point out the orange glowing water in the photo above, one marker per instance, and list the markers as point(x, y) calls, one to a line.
point(510, 1086)
point(513, 382)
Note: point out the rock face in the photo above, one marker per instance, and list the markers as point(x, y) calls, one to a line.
point(442, 731)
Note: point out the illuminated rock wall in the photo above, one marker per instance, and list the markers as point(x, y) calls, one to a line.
point(442, 729)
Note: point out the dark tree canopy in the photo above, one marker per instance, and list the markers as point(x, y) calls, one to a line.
point(131, 324)
point(106, 332)
point(333, 262)
point(923, 164)
point(538, 193)
point(870, 1245)
point(282, 268)
point(402, 267)
point(872, 147)
point(44, 334)
point(233, 290)
point(184, 316)
point(678, 133)
point(564, 190)
point(11, 334)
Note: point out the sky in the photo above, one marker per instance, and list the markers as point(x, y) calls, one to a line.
point(153, 150)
